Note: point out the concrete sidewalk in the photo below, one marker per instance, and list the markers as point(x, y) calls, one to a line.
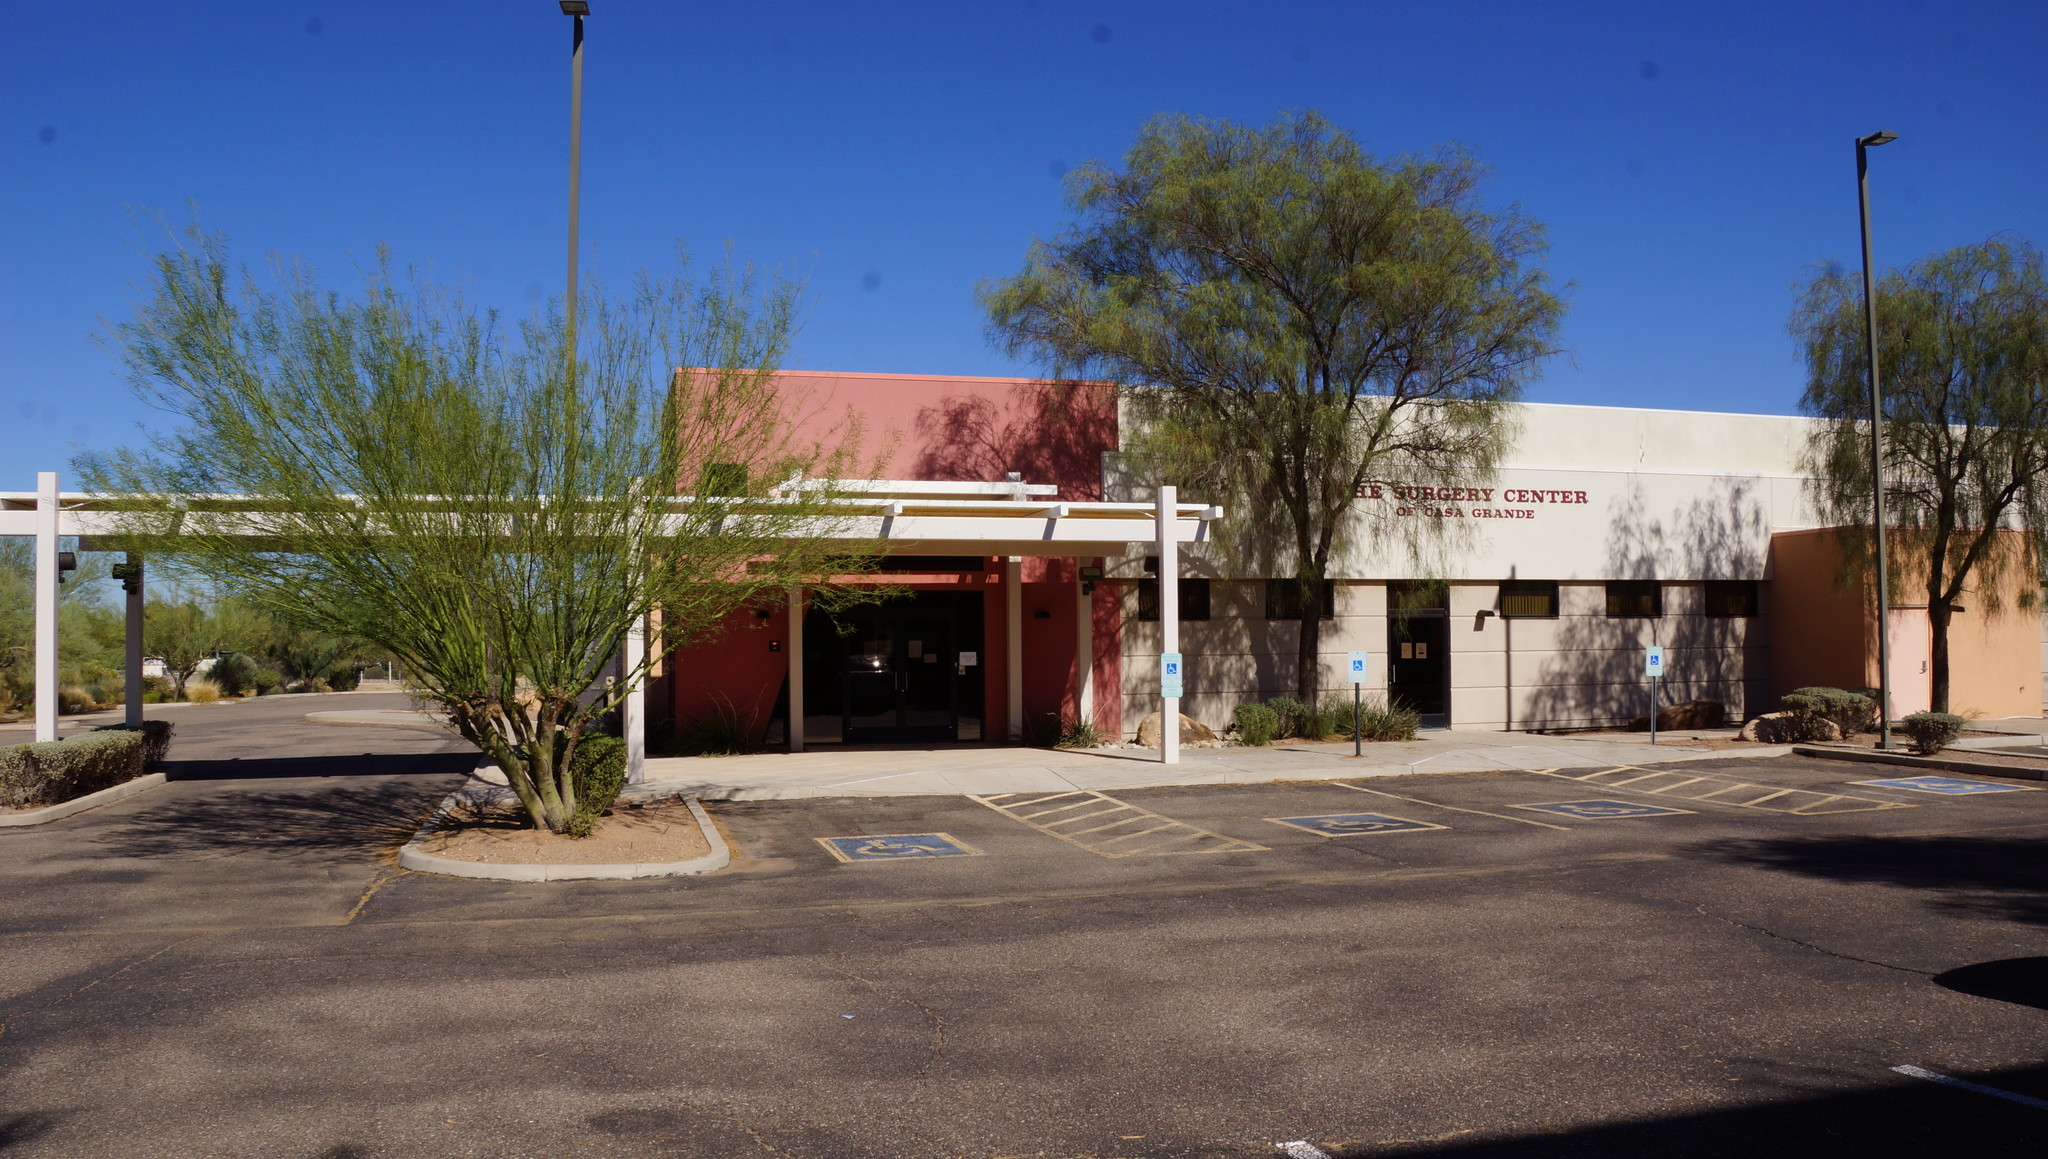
point(907, 771)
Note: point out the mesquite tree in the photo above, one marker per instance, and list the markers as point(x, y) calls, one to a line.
point(496, 515)
point(1300, 321)
point(1962, 342)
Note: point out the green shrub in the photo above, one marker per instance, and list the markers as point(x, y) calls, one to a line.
point(1852, 712)
point(1078, 734)
point(73, 698)
point(268, 681)
point(234, 674)
point(344, 679)
point(161, 685)
point(1383, 721)
point(598, 771)
point(156, 739)
point(1295, 719)
point(1932, 731)
point(50, 772)
point(1256, 724)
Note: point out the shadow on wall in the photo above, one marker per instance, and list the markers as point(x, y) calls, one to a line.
point(1050, 432)
point(1594, 673)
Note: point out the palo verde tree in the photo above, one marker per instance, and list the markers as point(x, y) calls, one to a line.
point(1301, 321)
point(493, 512)
point(1962, 342)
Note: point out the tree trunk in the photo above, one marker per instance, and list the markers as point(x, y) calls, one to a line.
point(1937, 656)
point(1308, 673)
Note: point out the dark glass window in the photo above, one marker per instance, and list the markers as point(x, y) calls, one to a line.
point(1418, 595)
point(1528, 599)
point(1194, 599)
point(1731, 598)
point(1283, 600)
point(1635, 598)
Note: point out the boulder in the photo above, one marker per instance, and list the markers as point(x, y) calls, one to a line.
point(1790, 728)
point(1191, 731)
point(1691, 714)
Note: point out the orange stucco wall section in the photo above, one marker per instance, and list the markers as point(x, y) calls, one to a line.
point(1822, 631)
point(952, 429)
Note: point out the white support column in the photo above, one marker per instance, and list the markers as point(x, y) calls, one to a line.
point(1013, 636)
point(795, 646)
point(635, 722)
point(131, 677)
point(1169, 622)
point(1084, 649)
point(46, 605)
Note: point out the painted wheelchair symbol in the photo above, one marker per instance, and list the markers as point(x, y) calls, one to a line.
point(897, 847)
point(1601, 810)
point(1946, 786)
point(1353, 824)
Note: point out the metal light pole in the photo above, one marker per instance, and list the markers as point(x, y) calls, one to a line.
point(576, 9)
point(1884, 591)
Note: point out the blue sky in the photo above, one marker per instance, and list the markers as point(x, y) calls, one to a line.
point(1690, 161)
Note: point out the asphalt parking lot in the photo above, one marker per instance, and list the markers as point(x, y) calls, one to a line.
point(1722, 958)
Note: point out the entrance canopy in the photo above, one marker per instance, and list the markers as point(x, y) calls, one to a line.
point(1011, 518)
point(911, 516)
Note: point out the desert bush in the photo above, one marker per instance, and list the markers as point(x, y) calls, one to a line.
point(344, 679)
point(1294, 719)
point(1383, 721)
point(1256, 723)
point(234, 674)
point(73, 698)
point(50, 772)
point(201, 692)
point(1932, 731)
point(156, 739)
point(1078, 734)
point(1852, 712)
point(268, 681)
point(163, 686)
point(598, 772)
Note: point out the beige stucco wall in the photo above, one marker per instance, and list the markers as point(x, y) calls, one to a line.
point(1579, 670)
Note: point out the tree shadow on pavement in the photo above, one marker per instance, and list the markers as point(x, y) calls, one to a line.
point(1901, 1117)
point(341, 822)
point(1998, 877)
point(324, 765)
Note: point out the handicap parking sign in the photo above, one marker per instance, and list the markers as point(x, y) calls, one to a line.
point(1354, 667)
point(1602, 810)
point(1170, 672)
point(897, 847)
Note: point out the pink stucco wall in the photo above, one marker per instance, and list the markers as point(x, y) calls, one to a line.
point(932, 427)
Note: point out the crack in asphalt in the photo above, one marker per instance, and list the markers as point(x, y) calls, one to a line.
point(109, 976)
point(1701, 909)
point(938, 1024)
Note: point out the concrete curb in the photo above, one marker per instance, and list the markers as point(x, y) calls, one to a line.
point(80, 804)
point(419, 861)
point(1938, 764)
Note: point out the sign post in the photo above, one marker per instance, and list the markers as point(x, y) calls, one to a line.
point(1355, 670)
point(1653, 667)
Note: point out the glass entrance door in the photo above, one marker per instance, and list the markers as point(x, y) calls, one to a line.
point(1419, 664)
point(900, 679)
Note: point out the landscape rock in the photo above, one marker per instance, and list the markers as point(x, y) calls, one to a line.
point(1192, 731)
